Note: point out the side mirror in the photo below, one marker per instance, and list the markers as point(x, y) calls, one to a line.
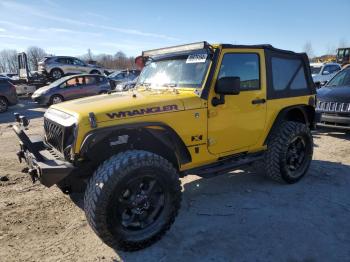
point(228, 85)
point(325, 73)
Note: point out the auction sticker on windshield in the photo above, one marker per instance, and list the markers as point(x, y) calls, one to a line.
point(196, 58)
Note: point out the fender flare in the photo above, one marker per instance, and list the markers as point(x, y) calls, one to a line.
point(309, 120)
point(161, 132)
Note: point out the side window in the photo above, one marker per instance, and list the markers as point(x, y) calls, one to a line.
point(326, 69)
point(244, 66)
point(120, 76)
point(73, 82)
point(288, 74)
point(334, 68)
point(90, 80)
point(78, 62)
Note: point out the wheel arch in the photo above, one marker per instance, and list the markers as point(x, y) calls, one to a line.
point(57, 68)
point(157, 138)
point(298, 113)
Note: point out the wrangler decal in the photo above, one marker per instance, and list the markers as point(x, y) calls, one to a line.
point(142, 111)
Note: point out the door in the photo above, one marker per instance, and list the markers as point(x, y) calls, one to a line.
point(80, 66)
point(237, 124)
point(73, 88)
point(91, 86)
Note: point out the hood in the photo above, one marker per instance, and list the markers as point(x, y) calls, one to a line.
point(334, 94)
point(43, 89)
point(124, 105)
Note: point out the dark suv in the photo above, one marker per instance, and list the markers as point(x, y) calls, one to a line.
point(333, 102)
point(123, 76)
point(8, 94)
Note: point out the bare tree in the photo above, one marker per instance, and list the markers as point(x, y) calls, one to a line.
point(35, 54)
point(8, 60)
point(307, 48)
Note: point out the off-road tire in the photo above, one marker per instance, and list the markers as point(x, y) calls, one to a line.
point(110, 180)
point(275, 161)
point(3, 104)
point(52, 99)
point(56, 73)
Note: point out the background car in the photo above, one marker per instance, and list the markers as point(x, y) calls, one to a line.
point(58, 66)
point(333, 102)
point(126, 85)
point(8, 94)
point(71, 87)
point(323, 72)
point(123, 76)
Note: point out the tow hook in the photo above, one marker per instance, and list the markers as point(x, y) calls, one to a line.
point(20, 155)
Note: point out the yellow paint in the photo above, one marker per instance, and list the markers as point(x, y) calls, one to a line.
point(237, 126)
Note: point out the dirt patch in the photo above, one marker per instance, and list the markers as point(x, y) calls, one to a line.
point(239, 216)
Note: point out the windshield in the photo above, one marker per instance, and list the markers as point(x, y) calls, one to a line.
point(114, 73)
point(315, 70)
point(180, 71)
point(340, 79)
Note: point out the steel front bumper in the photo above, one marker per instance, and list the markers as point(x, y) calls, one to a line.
point(43, 163)
point(332, 121)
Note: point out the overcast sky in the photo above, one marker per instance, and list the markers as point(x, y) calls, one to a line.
point(68, 27)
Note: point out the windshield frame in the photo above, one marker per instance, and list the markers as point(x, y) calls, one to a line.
point(178, 56)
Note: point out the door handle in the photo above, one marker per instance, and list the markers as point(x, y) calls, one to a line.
point(258, 101)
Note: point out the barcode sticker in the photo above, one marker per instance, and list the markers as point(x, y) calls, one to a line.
point(196, 58)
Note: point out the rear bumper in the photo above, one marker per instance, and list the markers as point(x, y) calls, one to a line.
point(43, 164)
point(333, 121)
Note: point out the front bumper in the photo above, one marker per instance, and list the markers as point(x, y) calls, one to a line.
point(337, 121)
point(42, 161)
point(41, 100)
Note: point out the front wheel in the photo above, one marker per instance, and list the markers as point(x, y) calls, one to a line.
point(289, 152)
point(56, 99)
point(132, 199)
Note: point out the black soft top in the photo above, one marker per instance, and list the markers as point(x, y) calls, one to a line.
point(265, 47)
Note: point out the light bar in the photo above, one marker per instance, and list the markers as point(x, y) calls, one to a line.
point(174, 49)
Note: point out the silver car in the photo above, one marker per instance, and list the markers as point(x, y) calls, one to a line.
point(56, 67)
point(71, 87)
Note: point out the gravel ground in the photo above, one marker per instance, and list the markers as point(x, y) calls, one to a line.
point(240, 216)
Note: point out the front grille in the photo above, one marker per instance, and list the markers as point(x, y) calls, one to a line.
point(335, 107)
point(54, 134)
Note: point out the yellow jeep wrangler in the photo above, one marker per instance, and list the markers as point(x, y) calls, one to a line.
point(196, 109)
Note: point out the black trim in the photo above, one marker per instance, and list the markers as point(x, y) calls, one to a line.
point(273, 94)
point(168, 137)
point(41, 160)
point(282, 116)
point(226, 164)
point(206, 89)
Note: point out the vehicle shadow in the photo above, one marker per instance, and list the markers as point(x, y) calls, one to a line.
point(24, 107)
point(244, 216)
point(342, 134)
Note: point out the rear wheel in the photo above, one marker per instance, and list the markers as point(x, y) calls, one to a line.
point(56, 99)
point(132, 199)
point(289, 152)
point(3, 104)
point(56, 73)
point(95, 72)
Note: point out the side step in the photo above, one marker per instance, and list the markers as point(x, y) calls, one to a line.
point(225, 165)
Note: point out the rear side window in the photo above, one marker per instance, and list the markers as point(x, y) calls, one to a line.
point(90, 80)
point(245, 66)
point(288, 74)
